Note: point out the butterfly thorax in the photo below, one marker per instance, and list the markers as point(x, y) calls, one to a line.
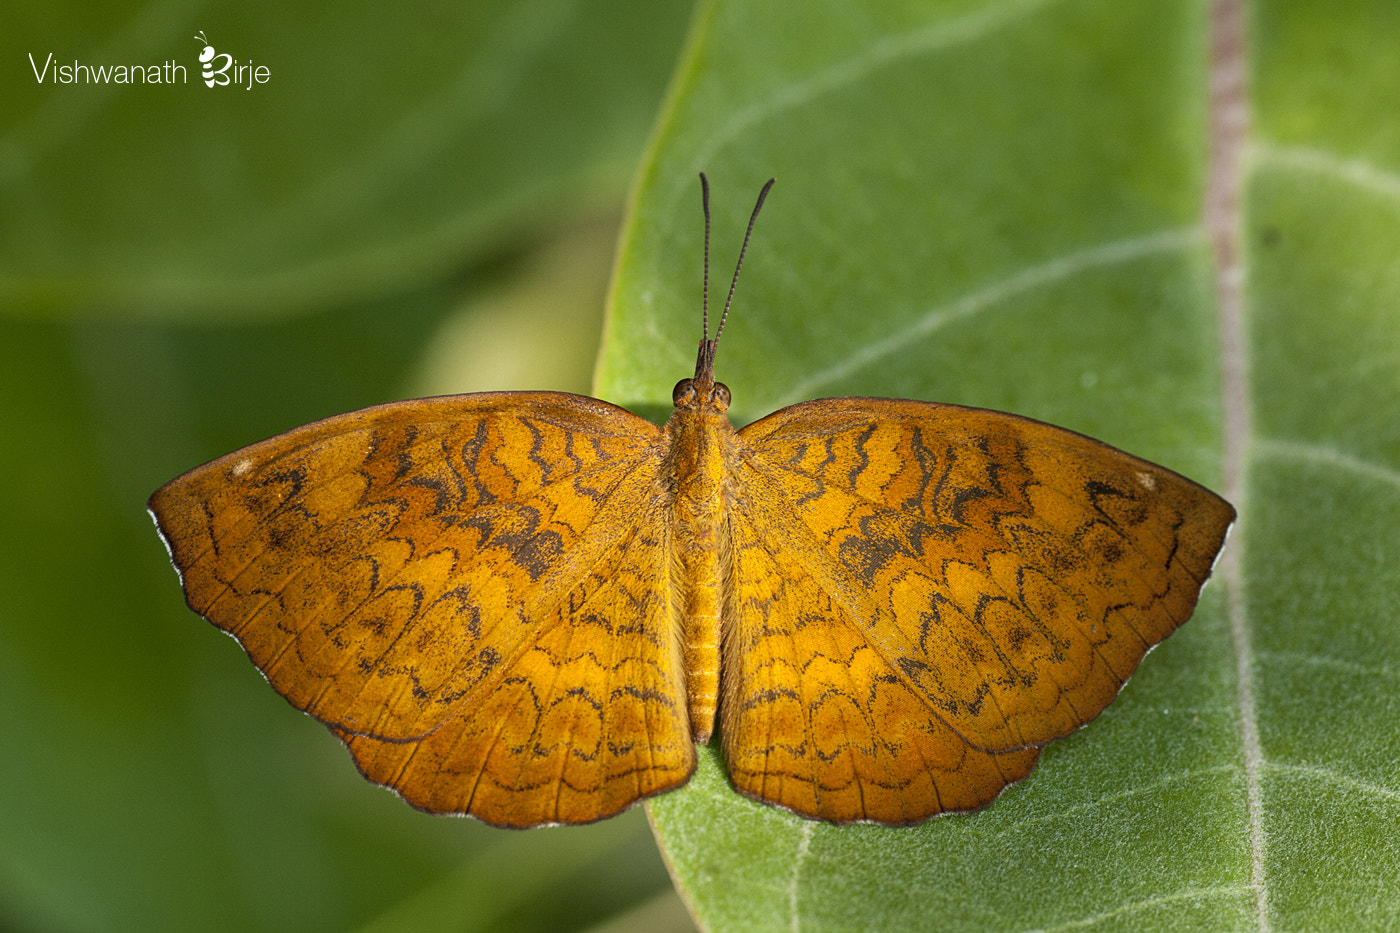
point(698, 435)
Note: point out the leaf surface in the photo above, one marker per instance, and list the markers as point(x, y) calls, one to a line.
point(1002, 205)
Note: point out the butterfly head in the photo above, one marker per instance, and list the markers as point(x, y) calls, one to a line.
point(701, 395)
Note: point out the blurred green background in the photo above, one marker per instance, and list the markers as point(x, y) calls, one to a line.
point(993, 202)
point(423, 198)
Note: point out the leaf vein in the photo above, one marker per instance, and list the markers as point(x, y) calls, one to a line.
point(1322, 454)
point(1189, 894)
point(1332, 776)
point(1027, 279)
point(1319, 161)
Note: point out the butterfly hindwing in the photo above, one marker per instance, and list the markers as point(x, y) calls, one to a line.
point(813, 717)
point(587, 720)
point(469, 590)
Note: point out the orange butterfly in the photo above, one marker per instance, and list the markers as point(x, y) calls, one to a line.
point(528, 606)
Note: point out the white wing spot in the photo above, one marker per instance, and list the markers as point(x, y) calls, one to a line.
point(241, 467)
point(1147, 480)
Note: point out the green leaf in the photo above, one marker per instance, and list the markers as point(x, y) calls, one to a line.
point(387, 146)
point(182, 273)
point(1001, 204)
point(1322, 540)
point(995, 202)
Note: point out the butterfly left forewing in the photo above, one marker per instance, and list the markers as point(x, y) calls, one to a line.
point(1008, 574)
point(440, 582)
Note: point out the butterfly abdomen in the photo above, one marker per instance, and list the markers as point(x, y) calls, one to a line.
point(697, 477)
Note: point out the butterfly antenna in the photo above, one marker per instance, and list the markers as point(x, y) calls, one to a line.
point(738, 265)
point(705, 288)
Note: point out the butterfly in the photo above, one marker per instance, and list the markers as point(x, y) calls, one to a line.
point(531, 606)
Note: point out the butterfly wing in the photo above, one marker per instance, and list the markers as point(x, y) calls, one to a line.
point(957, 587)
point(813, 718)
point(471, 591)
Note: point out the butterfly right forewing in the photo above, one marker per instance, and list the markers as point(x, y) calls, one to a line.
point(444, 583)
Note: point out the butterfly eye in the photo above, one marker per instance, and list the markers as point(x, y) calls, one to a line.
point(720, 396)
point(682, 391)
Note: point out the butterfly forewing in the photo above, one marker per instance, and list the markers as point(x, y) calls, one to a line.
point(976, 583)
point(471, 591)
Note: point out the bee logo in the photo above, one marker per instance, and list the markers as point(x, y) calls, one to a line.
point(213, 73)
